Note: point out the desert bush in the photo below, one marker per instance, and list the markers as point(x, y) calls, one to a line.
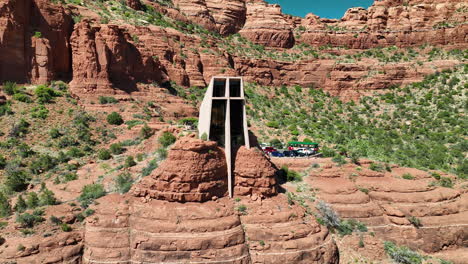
point(146, 132)
point(55, 133)
point(5, 207)
point(21, 97)
point(32, 200)
point(91, 192)
point(65, 227)
point(339, 160)
point(2, 162)
point(20, 129)
point(408, 176)
point(47, 197)
point(104, 154)
point(16, 178)
point(114, 118)
point(376, 167)
point(290, 175)
point(30, 220)
point(107, 100)
point(402, 255)
point(416, 222)
point(446, 182)
point(45, 94)
point(10, 88)
point(152, 165)
point(123, 182)
point(167, 139)
point(20, 205)
point(116, 148)
point(42, 164)
point(129, 162)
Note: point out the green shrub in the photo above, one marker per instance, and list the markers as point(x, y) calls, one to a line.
point(2, 162)
point(408, 176)
point(5, 207)
point(45, 94)
point(167, 139)
point(55, 220)
point(114, 118)
point(129, 162)
point(123, 182)
point(339, 160)
point(189, 121)
point(116, 149)
point(32, 200)
point(20, 129)
point(90, 193)
point(55, 133)
point(65, 227)
point(376, 167)
point(242, 209)
point(272, 124)
point(16, 178)
point(39, 111)
point(204, 136)
point(104, 154)
point(10, 88)
point(146, 132)
point(20, 205)
point(446, 182)
point(402, 255)
point(416, 222)
point(291, 176)
point(42, 164)
point(152, 165)
point(21, 97)
point(107, 100)
point(29, 220)
point(47, 197)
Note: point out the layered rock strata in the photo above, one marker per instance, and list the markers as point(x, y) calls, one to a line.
point(180, 214)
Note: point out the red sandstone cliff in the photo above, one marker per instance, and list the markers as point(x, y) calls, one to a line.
point(113, 58)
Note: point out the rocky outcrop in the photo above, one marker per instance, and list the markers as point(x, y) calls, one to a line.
point(61, 248)
point(223, 16)
point(181, 214)
point(195, 171)
point(267, 25)
point(388, 23)
point(254, 174)
point(387, 203)
point(38, 59)
point(106, 57)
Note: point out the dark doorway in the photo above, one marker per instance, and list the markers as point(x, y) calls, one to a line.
point(234, 88)
point(219, 88)
point(218, 119)
point(237, 123)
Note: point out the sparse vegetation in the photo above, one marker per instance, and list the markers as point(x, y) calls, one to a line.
point(115, 118)
point(90, 193)
point(167, 139)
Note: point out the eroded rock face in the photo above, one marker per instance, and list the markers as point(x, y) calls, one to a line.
point(223, 16)
point(105, 57)
point(25, 58)
point(173, 216)
point(267, 25)
point(386, 202)
point(388, 23)
point(254, 174)
point(195, 171)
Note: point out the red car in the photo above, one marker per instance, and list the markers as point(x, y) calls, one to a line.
point(269, 150)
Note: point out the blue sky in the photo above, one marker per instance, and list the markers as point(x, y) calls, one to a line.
point(322, 8)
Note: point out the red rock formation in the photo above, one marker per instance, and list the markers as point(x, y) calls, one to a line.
point(24, 58)
point(223, 16)
point(254, 174)
point(267, 25)
point(106, 57)
point(195, 171)
point(172, 216)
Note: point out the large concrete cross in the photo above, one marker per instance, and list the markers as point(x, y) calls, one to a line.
point(223, 118)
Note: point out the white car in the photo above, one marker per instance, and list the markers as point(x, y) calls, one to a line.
point(305, 151)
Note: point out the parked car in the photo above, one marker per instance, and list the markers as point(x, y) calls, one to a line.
point(269, 150)
point(277, 154)
point(291, 153)
point(305, 151)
